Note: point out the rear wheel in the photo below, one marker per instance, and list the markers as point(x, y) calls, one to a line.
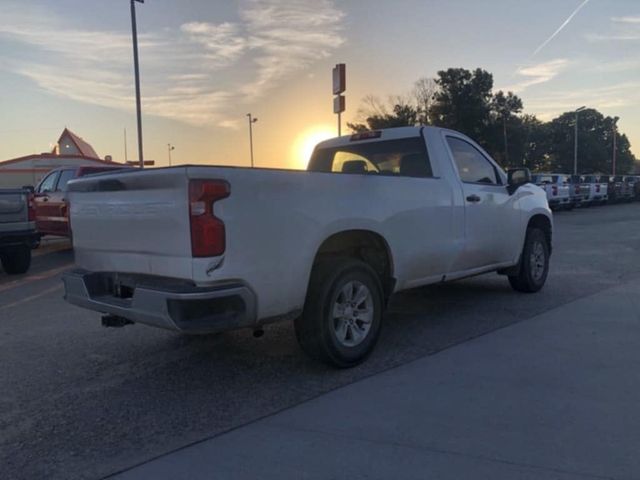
point(342, 316)
point(534, 263)
point(16, 260)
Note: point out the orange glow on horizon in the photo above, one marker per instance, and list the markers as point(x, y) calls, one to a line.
point(306, 142)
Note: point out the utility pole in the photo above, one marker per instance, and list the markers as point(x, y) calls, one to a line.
point(169, 149)
point(615, 145)
point(506, 145)
point(251, 122)
point(136, 68)
point(125, 146)
point(575, 142)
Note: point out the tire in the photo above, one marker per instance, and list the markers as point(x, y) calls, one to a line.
point(347, 339)
point(534, 263)
point(16, 260)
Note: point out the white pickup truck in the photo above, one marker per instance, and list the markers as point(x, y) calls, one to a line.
point(202, 249)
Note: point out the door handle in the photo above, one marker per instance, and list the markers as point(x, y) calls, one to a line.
point(473, 198)
point(45, 199)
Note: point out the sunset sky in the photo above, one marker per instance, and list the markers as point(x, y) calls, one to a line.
point(206, 64)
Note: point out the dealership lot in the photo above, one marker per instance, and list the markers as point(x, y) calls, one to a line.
point(83, 401)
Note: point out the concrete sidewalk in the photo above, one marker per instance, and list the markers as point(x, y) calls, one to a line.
point(554, 397)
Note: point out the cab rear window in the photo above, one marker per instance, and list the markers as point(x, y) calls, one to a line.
point(405, 157)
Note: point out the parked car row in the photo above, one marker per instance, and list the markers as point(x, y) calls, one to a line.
point(570, 191)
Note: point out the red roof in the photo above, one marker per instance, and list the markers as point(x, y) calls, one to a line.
point(53, 155)
point(83, 147)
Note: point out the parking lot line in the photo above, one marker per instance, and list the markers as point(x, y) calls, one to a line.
point(32, 297)
point(34, 278)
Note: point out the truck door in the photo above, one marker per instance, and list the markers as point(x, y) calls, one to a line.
point(44, 212)
point(59, 205)
point(491, 216)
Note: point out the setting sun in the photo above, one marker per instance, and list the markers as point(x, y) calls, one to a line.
point(305, 143)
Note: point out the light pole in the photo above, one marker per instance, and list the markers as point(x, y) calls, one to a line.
point(252, 120)
point(134, 31)
point(169, 149)
point(615, 145)
point(575, 142)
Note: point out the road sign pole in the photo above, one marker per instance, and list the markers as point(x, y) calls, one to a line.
point(339, 86)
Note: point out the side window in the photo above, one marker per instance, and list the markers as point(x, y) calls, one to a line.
point(49, 183)
point(472, 165)
point(65, 176)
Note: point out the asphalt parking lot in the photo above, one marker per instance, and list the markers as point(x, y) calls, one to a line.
point(81, 401)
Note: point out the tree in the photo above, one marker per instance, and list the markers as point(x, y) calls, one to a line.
point(504, 107)
point(595, 143)
point(424, 93)
point(462, 102)
point(375, 115)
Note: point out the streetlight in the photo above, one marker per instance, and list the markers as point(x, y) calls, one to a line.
point(169, 149)
point(615, 145)
point(252, 120)
point(575, 142)
point(134, 31)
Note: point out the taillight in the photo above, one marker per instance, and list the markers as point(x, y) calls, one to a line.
point(31, 207)
point(554, 189)
point(207, 231)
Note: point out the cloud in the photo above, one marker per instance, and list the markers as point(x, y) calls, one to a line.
point(289, 35)
point(620, 95)
point(564, 24)
point(622, 37)
point(623, 29)
point(537, 74)
point(627, 20)
point(615, 66)
point(222, 43)
point(196, 73)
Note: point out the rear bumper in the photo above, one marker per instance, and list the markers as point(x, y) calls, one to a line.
point(29, 238)
point(184, 308)
point(559, 201)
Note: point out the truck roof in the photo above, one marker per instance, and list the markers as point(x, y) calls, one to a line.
point(377, 135)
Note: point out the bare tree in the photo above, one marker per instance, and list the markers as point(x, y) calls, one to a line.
point(423, 93)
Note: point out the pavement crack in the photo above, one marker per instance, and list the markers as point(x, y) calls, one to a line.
point(441, 451)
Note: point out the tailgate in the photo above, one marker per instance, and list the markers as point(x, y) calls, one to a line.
point(134, 221)
point(13, 210)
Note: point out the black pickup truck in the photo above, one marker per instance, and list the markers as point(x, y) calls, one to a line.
point(18, 235)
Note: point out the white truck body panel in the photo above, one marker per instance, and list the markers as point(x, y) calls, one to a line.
point(276, 220)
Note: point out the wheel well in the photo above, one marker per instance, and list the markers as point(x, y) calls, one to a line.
point(544, 224)
point(366, 246)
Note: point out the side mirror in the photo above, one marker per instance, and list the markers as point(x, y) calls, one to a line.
point(517, 177)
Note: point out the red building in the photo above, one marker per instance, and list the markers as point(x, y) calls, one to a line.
point(70, 150)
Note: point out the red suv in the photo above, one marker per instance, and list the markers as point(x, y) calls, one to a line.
point(51, 203)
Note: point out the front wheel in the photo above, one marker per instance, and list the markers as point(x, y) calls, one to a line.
point(342, 316)
point(16, 260)
point(534, 263)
